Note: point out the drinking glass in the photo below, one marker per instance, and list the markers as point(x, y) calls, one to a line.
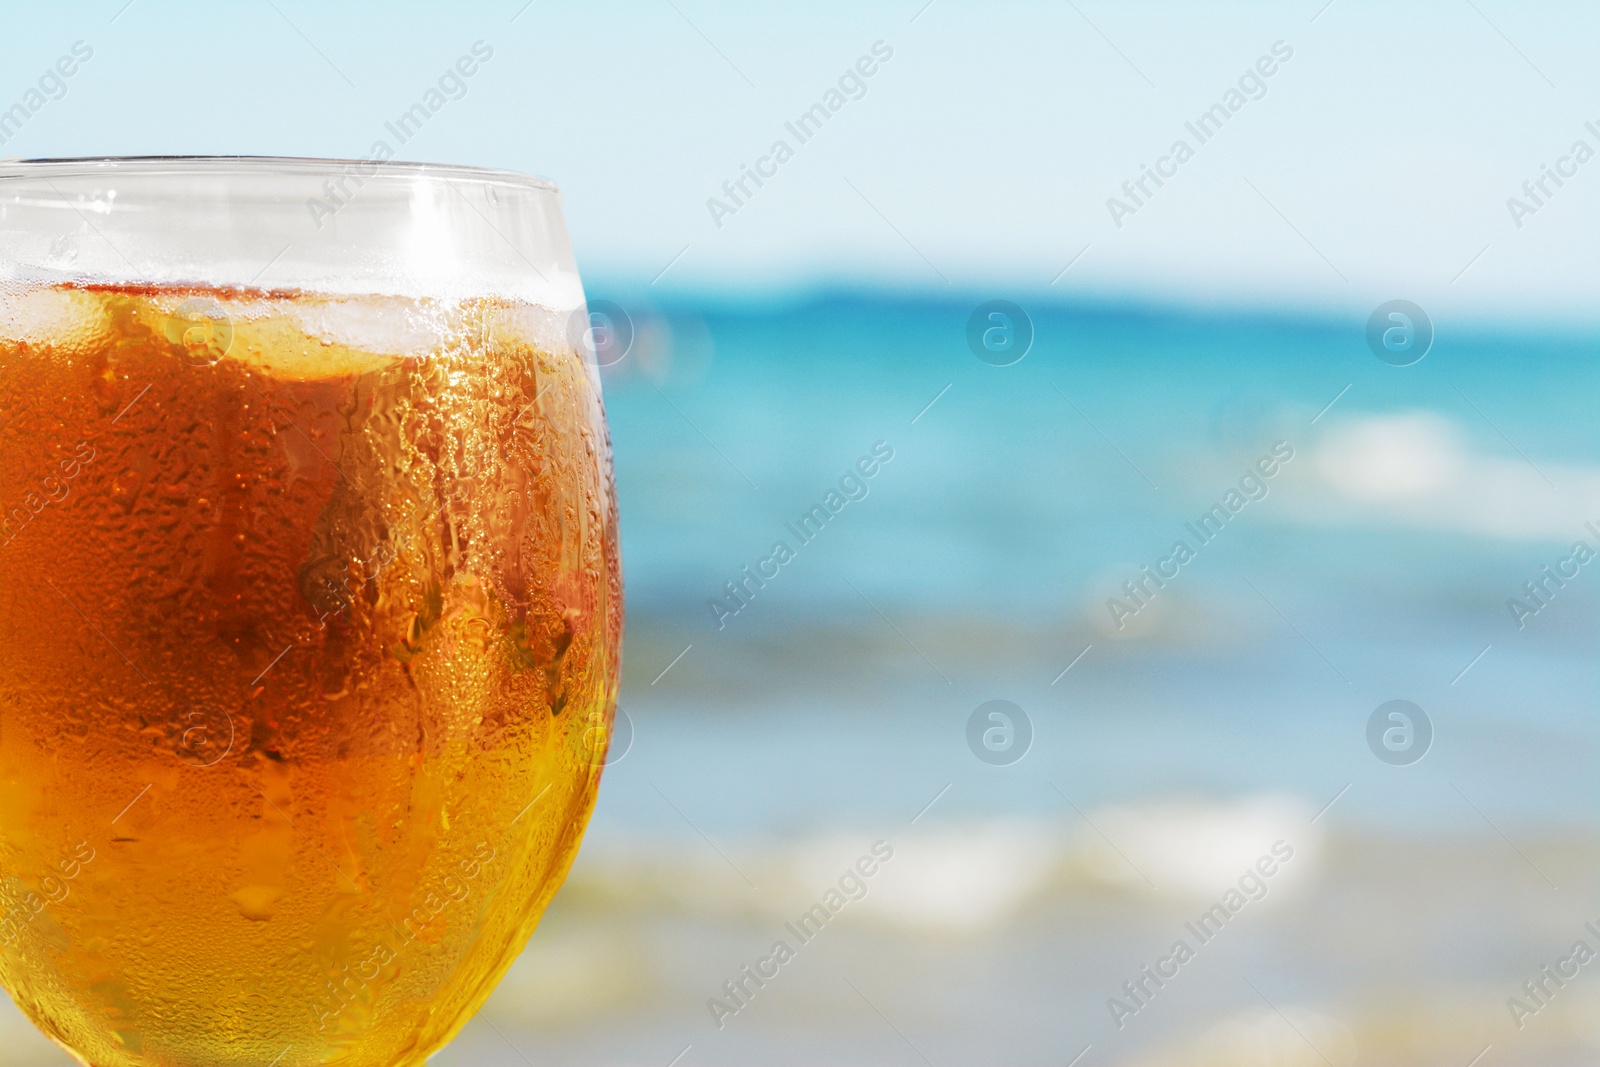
point(310, 600)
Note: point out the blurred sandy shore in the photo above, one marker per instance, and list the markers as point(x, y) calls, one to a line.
point(1002, 945)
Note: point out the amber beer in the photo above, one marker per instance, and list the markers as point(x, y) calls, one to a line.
point(309, 625)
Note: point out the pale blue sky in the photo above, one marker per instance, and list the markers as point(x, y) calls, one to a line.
point(1378, 163)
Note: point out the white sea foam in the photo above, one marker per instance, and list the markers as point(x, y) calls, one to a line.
point(1417, 469)
point(1194, 851)
point(961, 877)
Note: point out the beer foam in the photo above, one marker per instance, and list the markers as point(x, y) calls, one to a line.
point(302, 336)
point(397, 326)
point(407, 327)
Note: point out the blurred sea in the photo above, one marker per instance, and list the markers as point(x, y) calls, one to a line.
point(1168, 754)
point(980, 564)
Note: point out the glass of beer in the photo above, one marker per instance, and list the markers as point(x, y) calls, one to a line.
point(310, 600)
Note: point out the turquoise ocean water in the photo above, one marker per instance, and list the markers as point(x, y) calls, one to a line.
point(980, 563)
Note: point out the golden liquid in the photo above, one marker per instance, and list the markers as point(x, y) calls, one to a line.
point(308, 655)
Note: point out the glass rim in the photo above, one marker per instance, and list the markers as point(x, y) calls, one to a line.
point(197, 165)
